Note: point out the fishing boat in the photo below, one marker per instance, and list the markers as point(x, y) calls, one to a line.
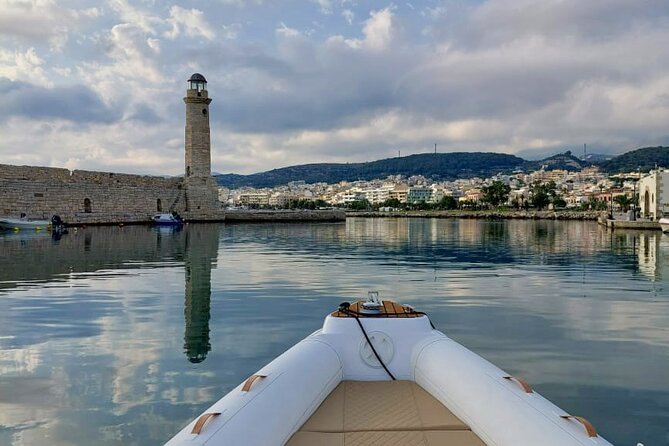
point(167, 220)
point(379, 373)
point(664, 224)
point(24, 223)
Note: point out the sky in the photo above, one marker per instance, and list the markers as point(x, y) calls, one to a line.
point(98, 85)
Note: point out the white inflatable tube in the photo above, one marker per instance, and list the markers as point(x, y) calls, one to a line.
point(500, 411)
point(273, 407)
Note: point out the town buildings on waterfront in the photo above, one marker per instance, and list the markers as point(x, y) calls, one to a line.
point(578, 189)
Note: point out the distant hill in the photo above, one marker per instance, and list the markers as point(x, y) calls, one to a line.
point(562, 161)
point(438, 166)
point(645, 159)
point(598, 157)
point(444, 166)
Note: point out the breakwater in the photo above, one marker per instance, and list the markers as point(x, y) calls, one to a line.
point(286, 215)
point(485, 214)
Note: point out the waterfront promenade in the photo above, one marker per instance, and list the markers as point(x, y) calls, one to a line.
point(493, 214)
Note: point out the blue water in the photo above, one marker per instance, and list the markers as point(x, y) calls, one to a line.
point(122, 335)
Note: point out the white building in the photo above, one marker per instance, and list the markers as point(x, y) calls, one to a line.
point(654, 194)
point(349, 196)
point(254, 198)
point(419, 194)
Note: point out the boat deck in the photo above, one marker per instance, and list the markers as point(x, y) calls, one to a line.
point(390, 309)
point(397, 413)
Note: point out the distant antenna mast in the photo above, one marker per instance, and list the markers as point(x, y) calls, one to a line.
point(585, 152)
point(399, 154)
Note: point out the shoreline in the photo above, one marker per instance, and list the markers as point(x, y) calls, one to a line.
point(487, 214)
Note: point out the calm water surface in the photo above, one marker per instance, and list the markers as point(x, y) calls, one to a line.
point(122, 335)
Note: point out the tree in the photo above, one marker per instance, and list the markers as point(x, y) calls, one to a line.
point(359, 205)
point(392, 203)
point(559, 202)
point(598, 205)
point(542, 193)
point(448, 202)
point(496, 194)
point(624, 201)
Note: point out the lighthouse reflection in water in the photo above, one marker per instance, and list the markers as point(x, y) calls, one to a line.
point(201, 243)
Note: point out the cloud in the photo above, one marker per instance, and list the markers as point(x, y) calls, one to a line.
point(128, 14)
point(190, 22)
point(76, 104)
point(497, 22)
point(231, 32)
point(325, 6)
point(36, 21)
point(27, 65)
point(285, 31)
point(377, 31)
point(130, 69)
point(348, 16)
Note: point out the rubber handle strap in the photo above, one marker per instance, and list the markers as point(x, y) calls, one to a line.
point(202, 421)
point(249, 382)
point(589, 428)
point(524, 384)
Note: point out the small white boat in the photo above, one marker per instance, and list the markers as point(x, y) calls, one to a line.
point(664, 224)
point(379, 373)
point(167, 220)
point(24, 223)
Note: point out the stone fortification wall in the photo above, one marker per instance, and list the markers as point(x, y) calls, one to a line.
point(86, 197)
point(9, 172)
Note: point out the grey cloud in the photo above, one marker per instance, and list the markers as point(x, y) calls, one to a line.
point(76, 103)
point(144, 113)
point(308, 86)
point(496, 22)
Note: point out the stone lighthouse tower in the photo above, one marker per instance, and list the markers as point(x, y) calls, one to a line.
point(198, 143)
point(201, 191)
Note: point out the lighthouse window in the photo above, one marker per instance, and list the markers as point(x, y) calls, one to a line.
point(204, 111)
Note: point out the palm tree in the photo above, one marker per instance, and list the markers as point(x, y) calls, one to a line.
point(624, 201)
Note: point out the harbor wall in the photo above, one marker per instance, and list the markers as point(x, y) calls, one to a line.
point(284, 215)
point(484, 214)
point(86, 197)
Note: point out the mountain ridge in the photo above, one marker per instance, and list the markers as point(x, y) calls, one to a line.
point(438, 166)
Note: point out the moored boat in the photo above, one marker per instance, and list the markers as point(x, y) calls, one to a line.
point(24, 223)
point(167, 220)
point(379, 373)
point(664, 224)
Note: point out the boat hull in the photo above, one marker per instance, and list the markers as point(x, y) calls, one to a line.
point(664, 224)
point(166, 220)
point(13, 224)
point(286, 392)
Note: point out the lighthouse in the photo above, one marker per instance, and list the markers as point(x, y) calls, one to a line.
point(200, 188)
point(198, 139)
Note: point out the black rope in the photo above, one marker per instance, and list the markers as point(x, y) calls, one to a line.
point(345, 310)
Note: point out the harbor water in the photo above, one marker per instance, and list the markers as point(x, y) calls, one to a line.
point(122, 335)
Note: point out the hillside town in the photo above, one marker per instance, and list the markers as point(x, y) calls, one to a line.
point(587, 189)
